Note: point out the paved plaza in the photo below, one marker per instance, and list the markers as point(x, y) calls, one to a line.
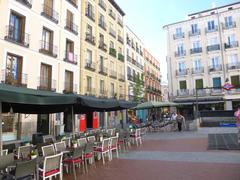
point(170, 156)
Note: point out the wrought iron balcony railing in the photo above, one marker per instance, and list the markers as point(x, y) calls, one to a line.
point(50, 13)
point(14, 78)
point(71, 27)
point(214, 47)
point(48, 48)
point(27, 3)
point(46, 83)
point(70, 57)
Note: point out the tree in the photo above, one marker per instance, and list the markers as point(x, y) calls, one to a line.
point(138, 88)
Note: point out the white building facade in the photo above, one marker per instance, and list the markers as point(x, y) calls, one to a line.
point(203, 53)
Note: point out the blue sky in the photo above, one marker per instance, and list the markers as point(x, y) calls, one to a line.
point(147, 17)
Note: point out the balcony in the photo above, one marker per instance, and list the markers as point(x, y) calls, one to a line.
point(198, 70)
point(69, 88)
point(120, 57)
point(113, 52)
point(102, 46)
point(73, 2)
point(102, 5)
point(200, 92)
point(181, 72)
point(90, 65)
point(15, 35)
point(196, 33)
point(112, 32)
point(46, 84)
point(180, 53)
point(214, 29)
point(183, 92)
point(103, 70)
point(112, 15)
point(233, 44)
point(90, 15)
point(70, 26)
point(121, 96)
point(103, 93)
point(120, 22)
point(113, 74)
point(102, 24)
point(216, 91)
point(130, 77)
point(134, 61)
point(90, 38)
point(129, 59)
point(213, 47)
point(27, 3)
point(178, 36)
point(232, 66)
point(120, 39)
point(215, 68)
point(48, 49)
point(89, 91)
point(229, 25)
point(121, 77)
point(234, 91)
point(50, 14)
point(14, 79)
point(70, 57)
point(128, 41)
point(141, 53)
point(195, 50)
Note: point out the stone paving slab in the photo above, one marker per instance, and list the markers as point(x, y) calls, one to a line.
point(205, 157)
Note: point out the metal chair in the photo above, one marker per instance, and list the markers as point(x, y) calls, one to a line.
point(6, 161)
point(67, 141)
point(136, 137)
point(49, 139)
point(52, 166)
point(24, 152)
point(60, 147)
point(48, 150)
point(91, 139)
point(4, 152)
point(113, 145)
point(82, 142)
point(103, 149)
point(89, 154)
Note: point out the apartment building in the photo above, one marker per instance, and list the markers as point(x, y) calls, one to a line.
point(102, 49)
point(152, 77)
point(134, 60)
point(39, 49)
point(203, 55)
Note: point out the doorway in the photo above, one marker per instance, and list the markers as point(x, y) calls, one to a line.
point(43, 124)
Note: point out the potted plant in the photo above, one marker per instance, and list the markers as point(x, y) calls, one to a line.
point(74, 143)
point(33, 154)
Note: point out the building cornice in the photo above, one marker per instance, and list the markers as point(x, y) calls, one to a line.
point(117, 7)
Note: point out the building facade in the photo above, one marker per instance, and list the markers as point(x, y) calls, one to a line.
point(102, 71)
point(165, 92)
point(152, 77)
point(134, 60)
point(203, 54)
point(39, 49)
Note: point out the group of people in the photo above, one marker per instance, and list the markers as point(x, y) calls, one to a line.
point(179, 119)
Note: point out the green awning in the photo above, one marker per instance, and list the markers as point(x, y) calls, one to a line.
point(155, 104)
point(32, 101)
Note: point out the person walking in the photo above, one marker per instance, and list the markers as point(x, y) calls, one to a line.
point(237, 115)
point(180, 119)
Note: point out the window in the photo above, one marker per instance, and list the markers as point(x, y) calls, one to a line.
point(69, 50)
point(89, 84)
point(178, 31)
point(129, 70)
point(47, 40)
point(89, 56)
point(197, 64)
point(89, 9)
point(101, 62)
point(182, 84)
point(112, 89)
point(235, 81)
point(229, 21)
point(101, 86)
point(69, 19)
point(101, 20)
point(45, 76)
point(101, 38)
point(111, 44)
point(199, 83)
point(233, 59)
point(215, 61)
point(89, 30)
point(180, 49)
point(217, 82)
point(16, 29)
point(231, 39)
point(196, 45)
point(211, 25)
point(194, 28)
point(13, 72)
point(181, 66)
point(68, 81)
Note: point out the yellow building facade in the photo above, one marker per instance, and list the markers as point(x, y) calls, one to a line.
point(102, 68)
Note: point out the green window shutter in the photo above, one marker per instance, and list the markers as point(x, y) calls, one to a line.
point(235, 81)
point(183, 84)
point(199, 84)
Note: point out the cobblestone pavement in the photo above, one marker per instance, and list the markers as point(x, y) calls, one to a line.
point(169, 156)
